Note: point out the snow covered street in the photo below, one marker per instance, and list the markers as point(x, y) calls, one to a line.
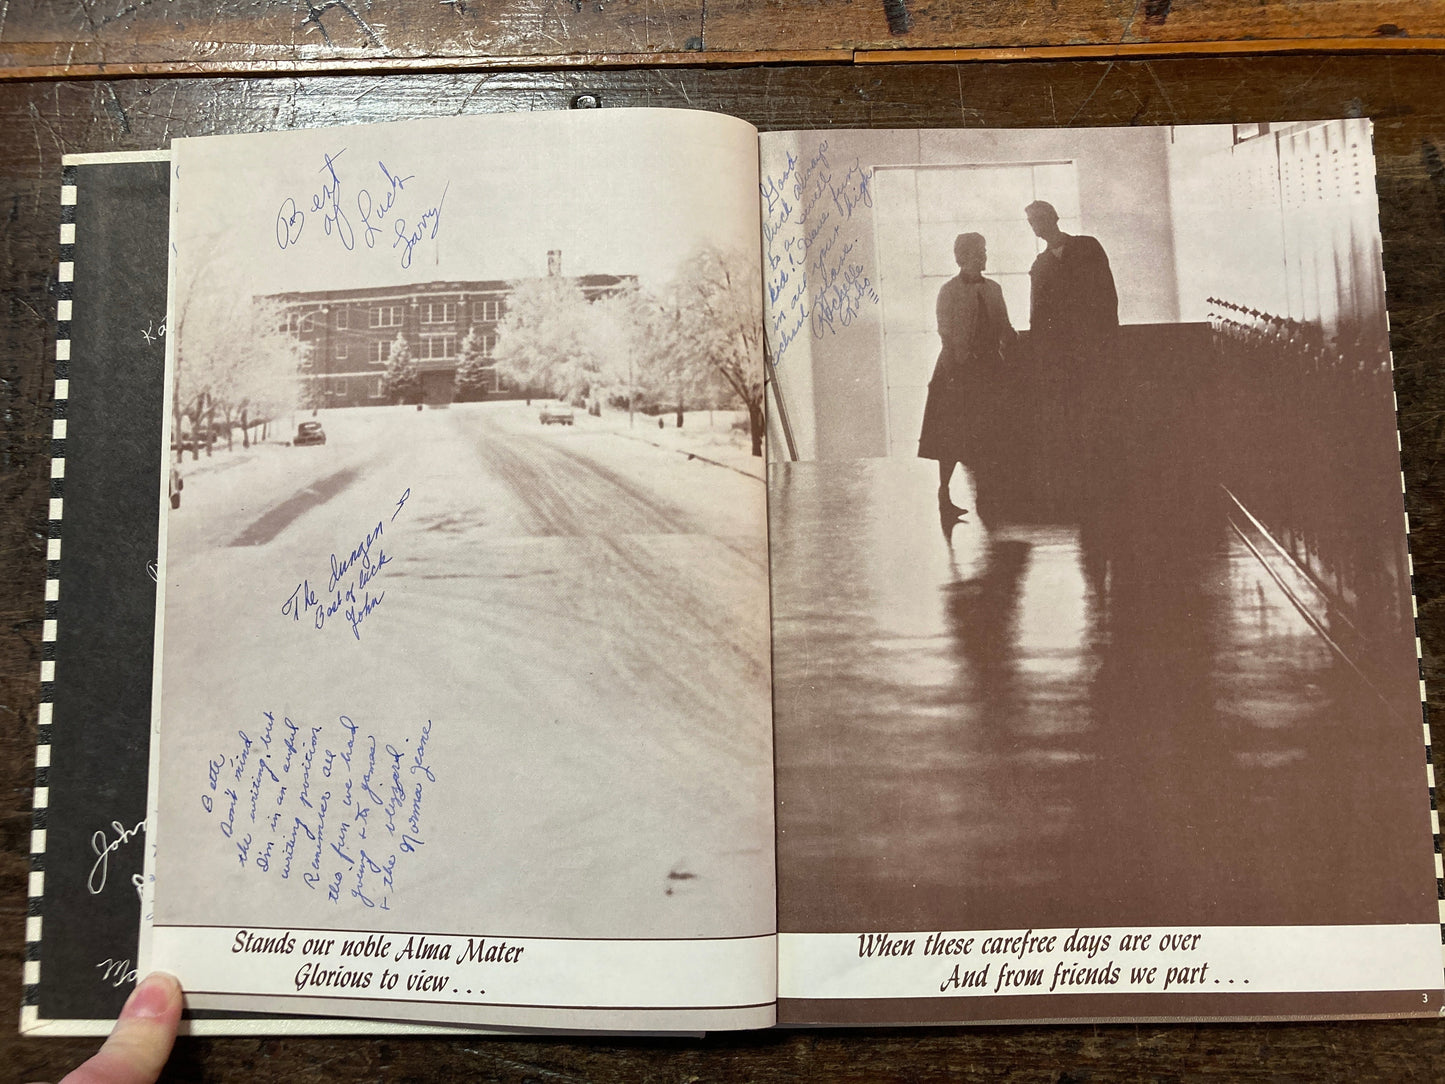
point(583, 618)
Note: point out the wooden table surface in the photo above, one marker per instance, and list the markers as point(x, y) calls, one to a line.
point(41, 120)
point(72, 38)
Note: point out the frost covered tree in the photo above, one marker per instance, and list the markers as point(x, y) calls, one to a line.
point(474, 377)
point(619, 339)
point(402, 381)
point(718, 312)
point(675, 371)
point(267, 383)
point(236, 365)
point(544, 342)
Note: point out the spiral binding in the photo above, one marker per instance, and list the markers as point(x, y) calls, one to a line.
point(34, 911)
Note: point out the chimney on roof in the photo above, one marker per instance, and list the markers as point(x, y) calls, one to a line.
point(554, 262)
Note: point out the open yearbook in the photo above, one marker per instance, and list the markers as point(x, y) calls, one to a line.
point(1053, 657)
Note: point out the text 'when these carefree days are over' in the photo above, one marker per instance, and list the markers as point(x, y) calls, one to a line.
point(1044, 961)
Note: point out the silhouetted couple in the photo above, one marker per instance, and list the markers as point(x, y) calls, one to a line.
point(1073, 314)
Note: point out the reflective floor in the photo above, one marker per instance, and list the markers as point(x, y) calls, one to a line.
point(1104, 717)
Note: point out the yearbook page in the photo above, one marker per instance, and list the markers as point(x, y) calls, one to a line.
point(88, 843)
point(462, 699)
point(1097, 692)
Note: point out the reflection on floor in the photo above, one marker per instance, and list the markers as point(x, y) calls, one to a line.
point(1097, 719)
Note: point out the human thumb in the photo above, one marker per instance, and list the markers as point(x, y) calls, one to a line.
point(142, 1038)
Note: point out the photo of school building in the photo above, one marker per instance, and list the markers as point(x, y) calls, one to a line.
point(349, 334)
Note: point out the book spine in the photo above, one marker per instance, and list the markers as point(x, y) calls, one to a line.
point(1429, 746)
point(34, 915)
point(1419, 657)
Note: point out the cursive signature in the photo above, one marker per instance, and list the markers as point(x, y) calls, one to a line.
point(426, 226)
point(350, 574)
point(104, 847)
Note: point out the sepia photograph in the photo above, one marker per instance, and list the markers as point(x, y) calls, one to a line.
point(464, 625)
point(1091, 592)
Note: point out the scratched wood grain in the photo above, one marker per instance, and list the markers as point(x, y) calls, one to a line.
point(40, 121)
point(41, 38)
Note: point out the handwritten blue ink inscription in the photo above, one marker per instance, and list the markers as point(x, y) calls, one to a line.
point(374, 210)
point(335, 807)
point(815, 278)
point(384, 199)
point(351, 591)
point(425, 228)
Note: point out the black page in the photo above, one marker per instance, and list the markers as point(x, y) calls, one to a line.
point(105, 610)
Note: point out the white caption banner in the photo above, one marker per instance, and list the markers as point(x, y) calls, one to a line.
point(1124, 960)
point(470, 970)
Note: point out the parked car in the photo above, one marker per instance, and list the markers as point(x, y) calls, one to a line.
point(560, 413)
point(309, 433)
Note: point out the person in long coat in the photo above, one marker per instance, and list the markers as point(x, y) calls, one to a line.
point(1073, 323)
point(1073, 330)
point(1073, 304)
point(974, 326)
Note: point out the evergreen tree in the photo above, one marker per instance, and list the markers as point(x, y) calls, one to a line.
point(474, 377)
point(402, 382)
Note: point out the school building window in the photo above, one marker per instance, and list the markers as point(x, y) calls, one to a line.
point(438, 346)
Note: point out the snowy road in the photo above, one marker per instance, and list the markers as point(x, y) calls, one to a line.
point(582, 617)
